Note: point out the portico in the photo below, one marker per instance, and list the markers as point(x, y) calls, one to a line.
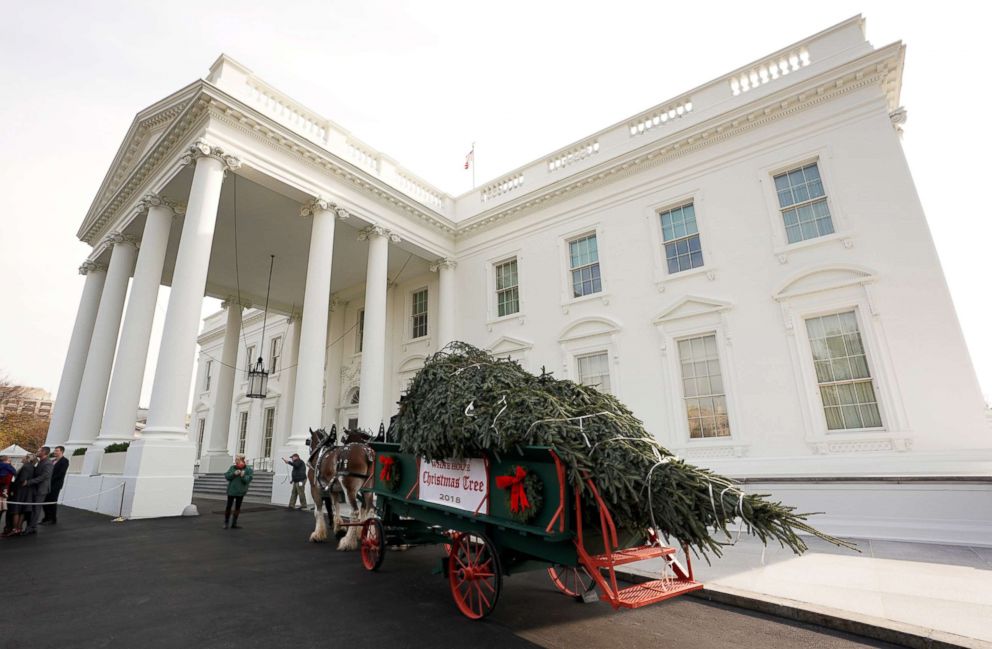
point(203, 204)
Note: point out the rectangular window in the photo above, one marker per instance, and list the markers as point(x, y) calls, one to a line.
point(275, 350)
point(702, 388)
point(206, 376)
point(842, 372)
point(583, 261)
point(361, 331)
point(242, 432)
point(507, 291)
point(681, 238)
point(353, 423)
point(594, 371)
point(418, 314)
point(803, 203)
point(200, 425)
point(251, 359)
point(270, 422)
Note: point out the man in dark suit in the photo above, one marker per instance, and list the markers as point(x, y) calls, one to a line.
point(60, 464)
point(41, 483)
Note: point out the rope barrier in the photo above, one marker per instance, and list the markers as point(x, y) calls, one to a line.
point(65, 502)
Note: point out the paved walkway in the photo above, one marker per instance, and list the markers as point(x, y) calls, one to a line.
point(186, 582)
point(938, 591)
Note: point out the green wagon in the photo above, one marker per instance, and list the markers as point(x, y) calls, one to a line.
point(498, 517)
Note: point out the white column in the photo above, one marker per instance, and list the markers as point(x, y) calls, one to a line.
point(100, 359)
point(159, 466)
point(75, 358)
point(445, 268)
point(132, 350)
point(287, 378)
point(332, 373)
point(370, 413)
point(313, 333)
point(216, 458)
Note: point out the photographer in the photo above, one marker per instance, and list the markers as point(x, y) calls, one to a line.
point(238, 478)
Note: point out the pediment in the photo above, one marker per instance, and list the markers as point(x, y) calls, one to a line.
point(508, 345)
point(823, 278)
point(690, 306)
point(411, 364)
point(150, 127)
point(588, 327)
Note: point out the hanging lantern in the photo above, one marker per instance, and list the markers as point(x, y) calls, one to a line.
point(258, 381)
point(258, 377)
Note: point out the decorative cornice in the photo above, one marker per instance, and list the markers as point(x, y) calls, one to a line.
point(877, 68)
point(443, 263)
point(157, 200)
point(201, 149)
point(377, 231)
point(91, 267)
point(119, 237)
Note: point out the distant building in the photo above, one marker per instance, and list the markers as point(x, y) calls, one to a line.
point(30, 401)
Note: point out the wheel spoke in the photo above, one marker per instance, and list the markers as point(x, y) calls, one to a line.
point(482, 596)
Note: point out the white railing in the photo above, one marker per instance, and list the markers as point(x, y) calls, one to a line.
point(572, 155)
point(419, 191)
point(362, 156)
point(306, 123)
point(769, 71)
point(648, 121)
point(504, 186)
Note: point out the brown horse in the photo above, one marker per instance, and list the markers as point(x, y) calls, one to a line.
point(340, 469)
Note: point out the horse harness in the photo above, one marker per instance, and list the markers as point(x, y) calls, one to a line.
point(341, 468)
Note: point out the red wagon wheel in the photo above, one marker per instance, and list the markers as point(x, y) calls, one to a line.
point(574, 582)
point(474, 574)
point(373, 544)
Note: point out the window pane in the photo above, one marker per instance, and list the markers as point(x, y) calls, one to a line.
point(702, 385)
point(803, 187)
point(842, 371)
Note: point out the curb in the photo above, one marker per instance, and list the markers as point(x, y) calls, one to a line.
point(906, 635)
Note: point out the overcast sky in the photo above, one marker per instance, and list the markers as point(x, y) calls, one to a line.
point(420, 82)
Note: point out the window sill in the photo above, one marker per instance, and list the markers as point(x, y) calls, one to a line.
point(714, 448)
point(604, 297)
point(708, 271)
point(782, 252)
point(519, 316)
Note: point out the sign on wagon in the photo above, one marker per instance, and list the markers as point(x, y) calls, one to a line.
point(462, 484)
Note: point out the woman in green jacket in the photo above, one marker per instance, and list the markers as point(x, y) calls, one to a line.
point(238, 478)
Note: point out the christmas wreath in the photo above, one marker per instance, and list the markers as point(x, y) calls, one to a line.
point(523, 493)
point(390, 473)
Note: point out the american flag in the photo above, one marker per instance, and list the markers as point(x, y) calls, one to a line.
point(470, 157)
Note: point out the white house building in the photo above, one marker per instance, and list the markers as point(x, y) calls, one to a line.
point(746, 265)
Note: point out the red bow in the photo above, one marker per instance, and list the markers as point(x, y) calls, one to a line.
point(387, 467)
point(515, 482)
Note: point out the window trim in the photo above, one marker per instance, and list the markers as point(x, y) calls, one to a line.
point(843, 230)
point(409, 337)
point(652, 214)
point(664, 253)
point(207, 378)
point(268, 436)
point(241, 441)
point(275, 353)
point(496, 290)
point(603, 351)
point(673, 326)
point(852, 292)
point(565, 265)
point(492, 308)
point(681, 383)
